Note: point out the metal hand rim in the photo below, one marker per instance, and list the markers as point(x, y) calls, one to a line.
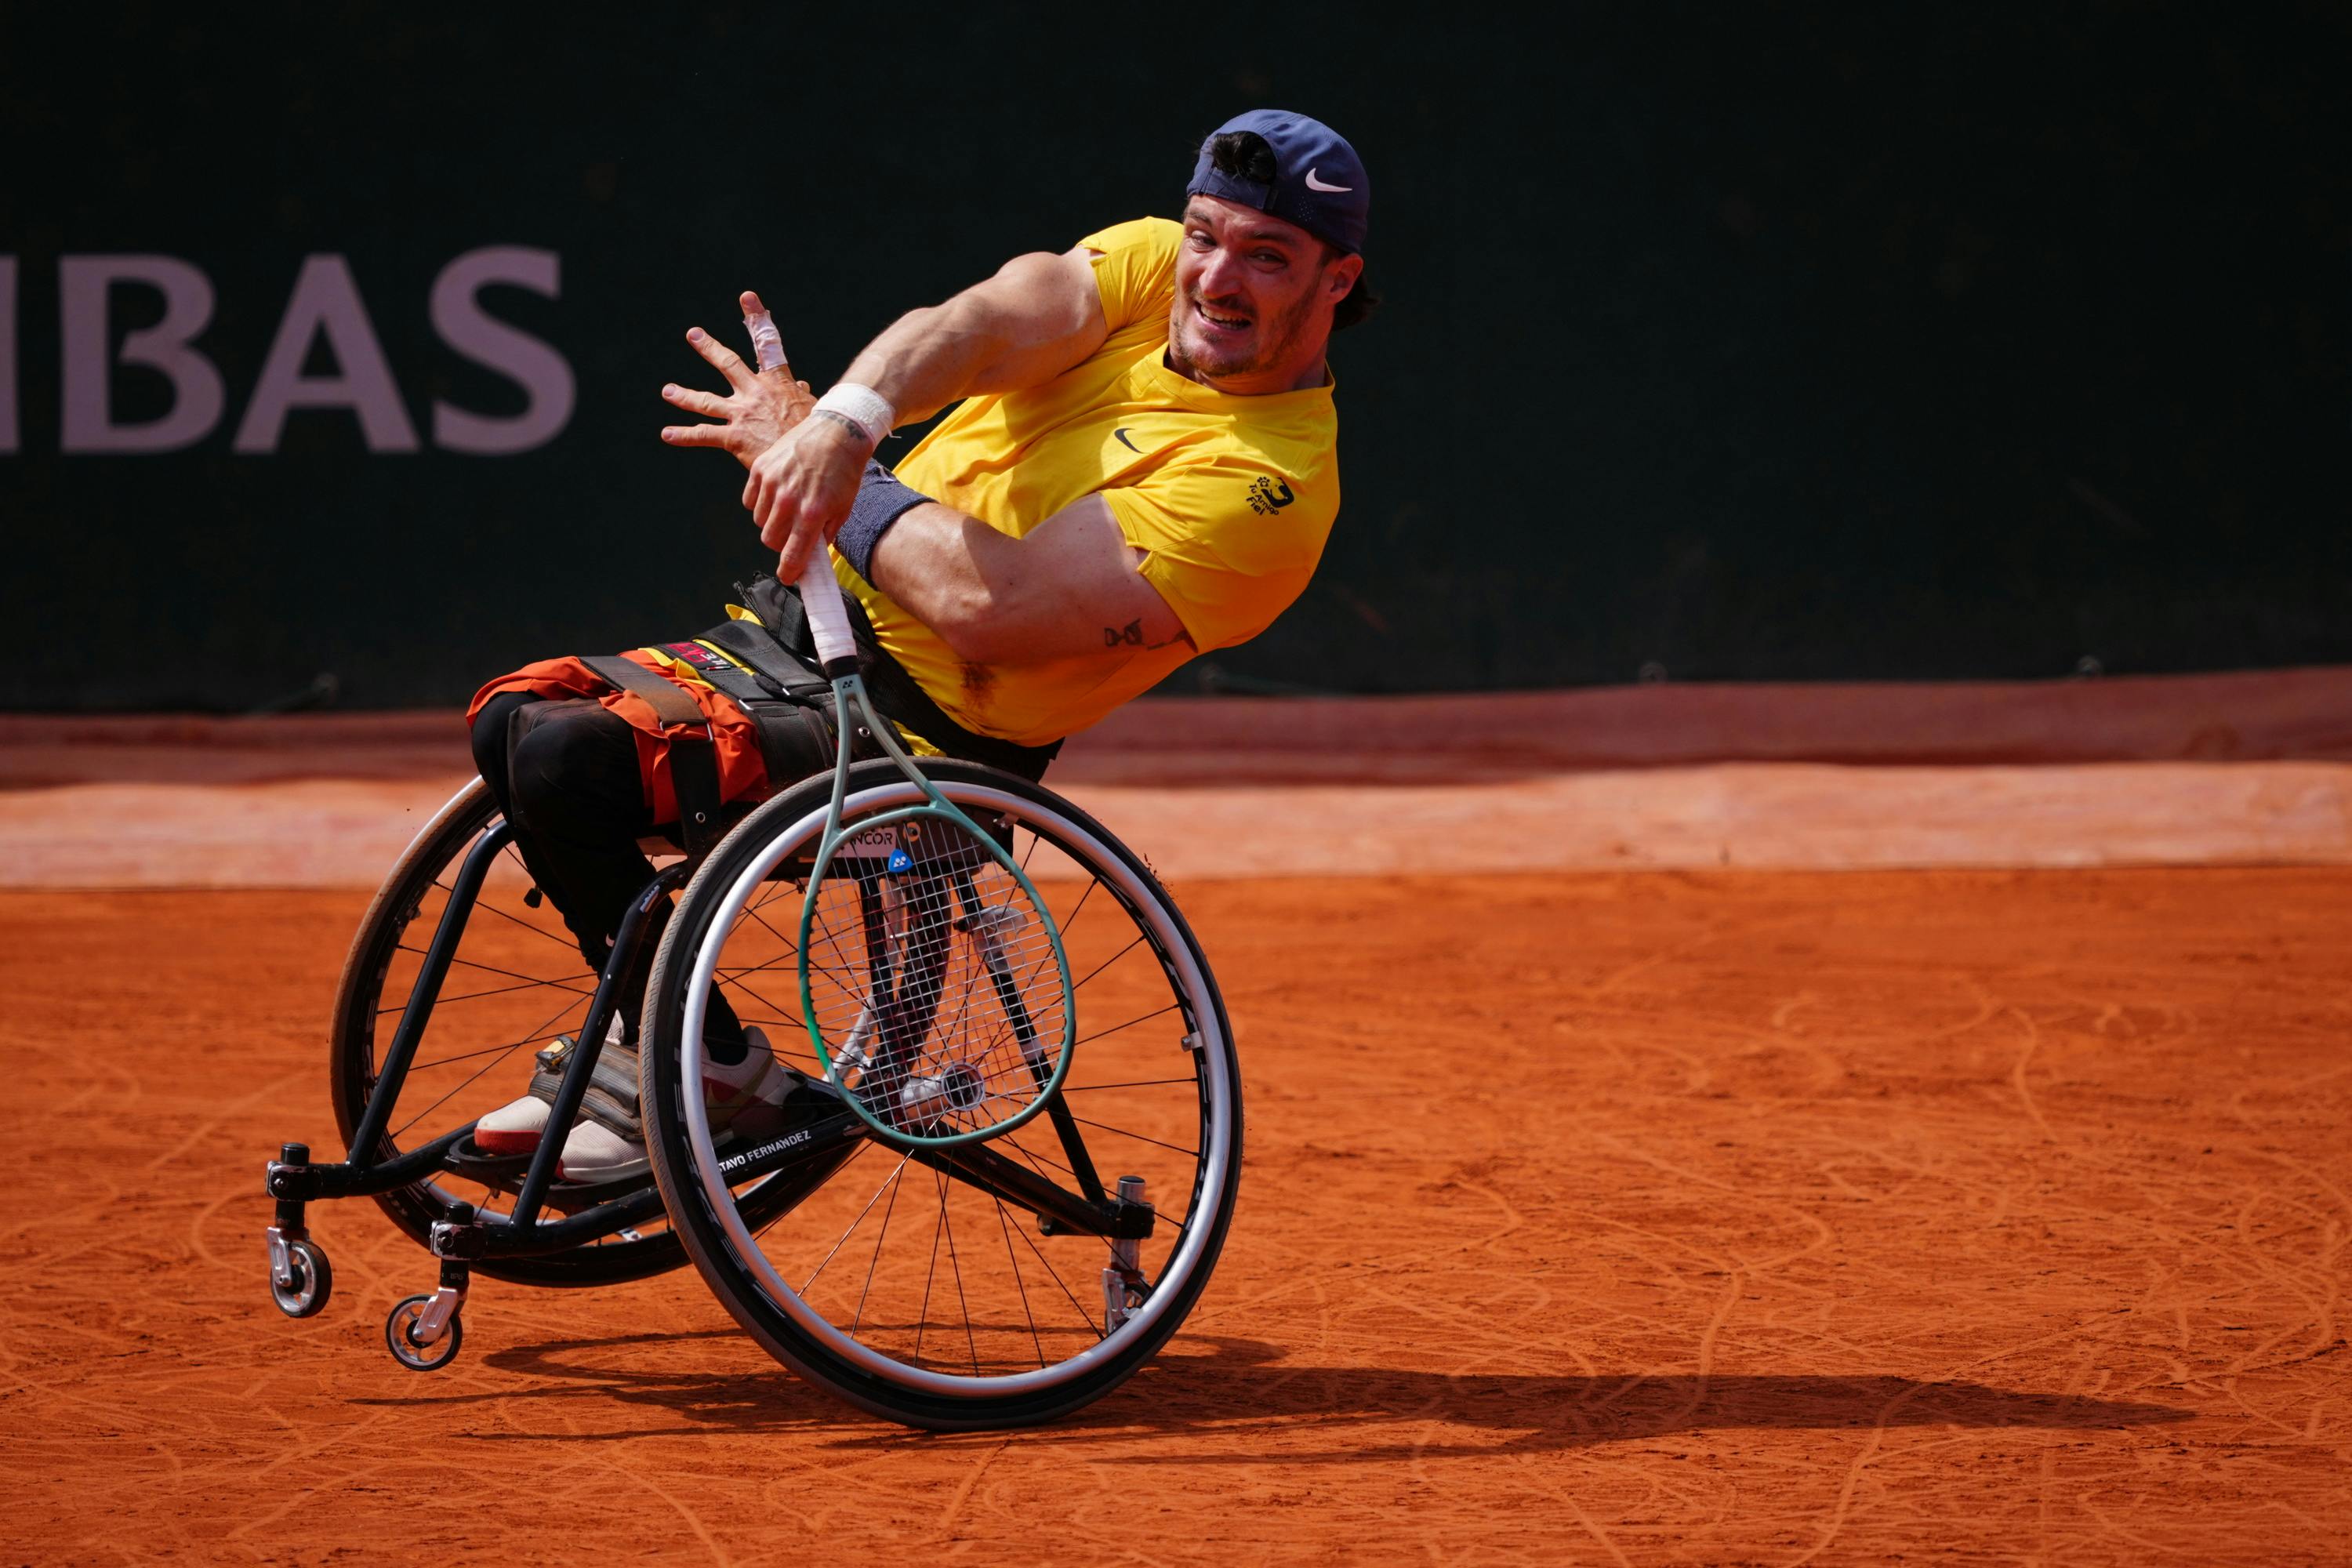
point(1210, 1188)
point(930, 807)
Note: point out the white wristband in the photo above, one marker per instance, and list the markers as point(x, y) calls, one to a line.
point(862, 406)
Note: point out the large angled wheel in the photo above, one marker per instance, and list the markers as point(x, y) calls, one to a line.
point(941, 1288)
point(516, 982)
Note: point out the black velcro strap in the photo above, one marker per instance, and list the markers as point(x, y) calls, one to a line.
point(768, 658)
point(693, 758)
point(795, 741)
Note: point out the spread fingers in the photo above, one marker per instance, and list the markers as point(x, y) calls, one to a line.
point(724, 360)
point(695, 402)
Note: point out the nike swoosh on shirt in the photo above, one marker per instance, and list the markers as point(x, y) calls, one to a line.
point(1121, 434)
point(1315, 185)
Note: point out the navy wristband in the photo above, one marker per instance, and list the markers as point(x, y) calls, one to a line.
point(881, 502)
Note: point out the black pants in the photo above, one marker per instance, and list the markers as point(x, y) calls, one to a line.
point(566, 775)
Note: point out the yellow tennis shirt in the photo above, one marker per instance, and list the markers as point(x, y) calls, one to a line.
point(1231, 497)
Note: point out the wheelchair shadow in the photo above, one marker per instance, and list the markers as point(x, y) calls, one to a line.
point(628, 1369)
point(1243, 1385)
point(1237, 1387)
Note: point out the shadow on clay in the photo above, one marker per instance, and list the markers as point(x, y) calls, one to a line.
point(1239, 1385)
point(1242, 1381)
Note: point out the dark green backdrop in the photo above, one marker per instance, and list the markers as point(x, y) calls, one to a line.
point(1854, 341)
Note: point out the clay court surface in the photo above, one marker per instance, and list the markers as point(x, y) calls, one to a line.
point(1741, 1216)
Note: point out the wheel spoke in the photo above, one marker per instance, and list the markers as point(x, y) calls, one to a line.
point(509, 973)
point(537, 930)
point(963, 1304)
point(853, 1223)
point(485, 1051)
point(1123, 1132)
point(789, 945)
point(1005, 1224)
point(1031, 1243)
point(762, 1001)
point(1067, 926)
point(1107, 963)
point(923, 1318)
point(539, 1032)
point(497, 991)
point(1131, 1022)
point(879, 1237)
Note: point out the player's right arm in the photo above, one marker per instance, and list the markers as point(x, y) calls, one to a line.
point(1037, 317)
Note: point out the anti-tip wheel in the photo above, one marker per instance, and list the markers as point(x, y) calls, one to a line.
point(304, 1294)
point(400, 1336)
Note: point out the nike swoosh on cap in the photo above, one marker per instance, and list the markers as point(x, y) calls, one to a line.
point(1121, 434)
point(1315, 185)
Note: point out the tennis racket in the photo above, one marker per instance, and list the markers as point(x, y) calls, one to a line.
point(932, 977)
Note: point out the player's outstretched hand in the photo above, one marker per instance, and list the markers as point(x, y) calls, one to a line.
point(759, 408)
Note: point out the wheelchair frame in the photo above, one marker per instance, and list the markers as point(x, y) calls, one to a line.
point(424, 1332)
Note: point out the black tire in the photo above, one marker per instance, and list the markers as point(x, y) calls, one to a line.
point(888, 1382)
point(313, 1283)
point(408, 896)
point(404, 1350)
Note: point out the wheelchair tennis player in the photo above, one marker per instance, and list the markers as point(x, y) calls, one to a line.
point(1142, 466)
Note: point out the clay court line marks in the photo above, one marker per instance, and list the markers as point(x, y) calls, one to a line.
point(1687, 946)
point(946, 1527)
point(2017, 1073)
point(1844, 1507)
point(1801, 999)
point(717, 1554)
point(1592, 1529)
point(204, 1216)
point(275, 1091)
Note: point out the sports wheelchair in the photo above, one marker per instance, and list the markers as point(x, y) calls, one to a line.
point(998, 1282)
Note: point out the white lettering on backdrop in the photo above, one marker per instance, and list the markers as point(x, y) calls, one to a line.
point(326, 305)
point(327, 302)
point(83, 282)
point(544, 375)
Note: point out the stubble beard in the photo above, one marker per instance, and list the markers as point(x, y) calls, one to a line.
point(1276, 338)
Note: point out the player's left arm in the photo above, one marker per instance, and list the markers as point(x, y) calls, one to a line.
point(1070, 586)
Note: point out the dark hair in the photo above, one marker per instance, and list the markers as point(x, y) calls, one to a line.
point(1245, 156)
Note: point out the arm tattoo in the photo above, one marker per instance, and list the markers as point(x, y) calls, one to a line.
point(1130, 636)
point(844, 420)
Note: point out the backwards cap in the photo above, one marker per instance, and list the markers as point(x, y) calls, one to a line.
point(1318, 181)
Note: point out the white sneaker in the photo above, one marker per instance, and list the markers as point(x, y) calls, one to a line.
point(603, 1147)
point(517, 1127)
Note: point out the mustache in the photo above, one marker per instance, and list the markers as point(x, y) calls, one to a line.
point(1227, 305)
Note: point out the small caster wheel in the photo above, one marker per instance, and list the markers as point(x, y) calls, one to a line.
point(400, 1336)
point(312, 1281)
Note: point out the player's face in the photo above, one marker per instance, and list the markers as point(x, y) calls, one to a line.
point(1253, 296)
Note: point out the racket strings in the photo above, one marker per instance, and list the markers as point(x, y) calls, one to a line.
point(932, 979)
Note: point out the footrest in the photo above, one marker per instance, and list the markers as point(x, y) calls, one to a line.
point(468, 1161)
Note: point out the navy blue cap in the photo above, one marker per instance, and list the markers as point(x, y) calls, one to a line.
point(1318, 181)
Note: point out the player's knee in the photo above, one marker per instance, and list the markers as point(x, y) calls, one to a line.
point(489, 736)
point(576, 777)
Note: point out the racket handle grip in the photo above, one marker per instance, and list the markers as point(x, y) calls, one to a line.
point(828, 617)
